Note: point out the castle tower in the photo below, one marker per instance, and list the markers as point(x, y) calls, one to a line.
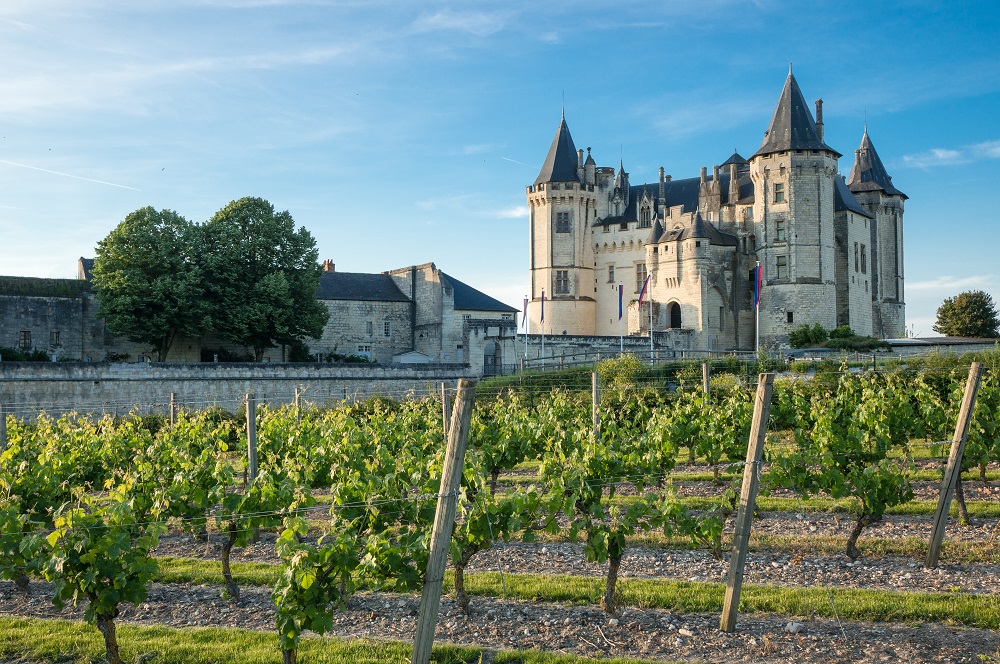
point(873, 188)
point(793, 173)
point(562, 206)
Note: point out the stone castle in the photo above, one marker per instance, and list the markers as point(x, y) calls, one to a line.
point(830, 248)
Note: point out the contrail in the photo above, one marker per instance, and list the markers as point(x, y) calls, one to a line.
point(67, 175)
point(516, 161)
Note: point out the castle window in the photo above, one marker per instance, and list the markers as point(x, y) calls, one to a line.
point(54, 338)
point(623, 226)
point(779, 192)
point(387, 329)
point(722, 318)
point(748, 214)
point(779, 230)
point(611, 274)
point(24, 339)
point(562, 281)
point(791, 318)
point(607, 228)
point(864, 255)
point(466, 316)
point(365, 350)
point(370, 328)
point(640, 276)
point(782, 267)
point(645, 218)
point(855, 256)
point(562, 222)
point(506, 316)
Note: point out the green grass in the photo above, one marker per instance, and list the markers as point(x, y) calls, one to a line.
point(198, 571)
point(688, 596)
point(62, 641)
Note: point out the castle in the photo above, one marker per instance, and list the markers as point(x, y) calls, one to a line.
point(830, 248)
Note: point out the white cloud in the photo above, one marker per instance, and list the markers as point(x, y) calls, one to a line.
point(480, 24)
point(987, 150)
point(951, 283)
point(935, 157)
point(517, 212)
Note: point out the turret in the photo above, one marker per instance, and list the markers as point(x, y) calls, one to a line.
point(561, 208)
point(793, 173)
point(873, 188)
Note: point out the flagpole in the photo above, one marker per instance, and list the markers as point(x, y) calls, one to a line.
point(621, 337)
point(757, 285)
point(542, 323)
point(650, 327)
point(527, 328)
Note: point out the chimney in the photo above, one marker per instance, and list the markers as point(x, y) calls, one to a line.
point(579, 158)
point(662, 182)
point(668, 178)
point(734, 185)
point(715, 173)
point(704, 175)
point(819, 119)
point(328, 266)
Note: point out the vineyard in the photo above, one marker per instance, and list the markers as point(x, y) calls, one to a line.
point(592, 521)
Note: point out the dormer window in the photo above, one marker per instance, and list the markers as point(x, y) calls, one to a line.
point(645, 218)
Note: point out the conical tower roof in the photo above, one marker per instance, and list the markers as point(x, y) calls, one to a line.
point(868, 173)
point(792, 126)
point(561, 162)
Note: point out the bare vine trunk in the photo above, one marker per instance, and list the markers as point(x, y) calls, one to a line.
point(853, 552)
point(106, 625)
point(227, 547)
point(461, 595)
point(963, 511)
point(610, 602)
point(287, 657)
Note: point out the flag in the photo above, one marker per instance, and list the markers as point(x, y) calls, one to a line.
point(642, 293)
point(621, 292)
point(524, 318)
point(543, 307)
point(757, 280)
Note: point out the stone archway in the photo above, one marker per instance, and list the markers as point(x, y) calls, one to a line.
point(675, 315)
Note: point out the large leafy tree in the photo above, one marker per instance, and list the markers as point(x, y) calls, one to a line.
point(149, 279)
point(263, 276)
point(969, 314)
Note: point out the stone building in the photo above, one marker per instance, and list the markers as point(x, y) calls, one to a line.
point(415, 314)
point(831, 249)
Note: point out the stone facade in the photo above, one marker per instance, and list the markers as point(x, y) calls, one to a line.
point(416, 314)
point(595, 237)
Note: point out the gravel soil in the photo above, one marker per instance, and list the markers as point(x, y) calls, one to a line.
point(653, 634)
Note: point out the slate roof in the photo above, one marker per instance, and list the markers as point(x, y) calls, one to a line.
point(843, 199)
point(792, 126)
point(701, 229)
point(561, 161)
point(868, 173)
point(737, 159)
point(88, 267)
point(468, 298)
point(679, 192)
point(359, 286)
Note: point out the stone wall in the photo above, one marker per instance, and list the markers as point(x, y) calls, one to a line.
point(27, 388)
point(358, 327)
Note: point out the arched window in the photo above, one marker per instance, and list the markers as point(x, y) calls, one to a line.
point(675, 315)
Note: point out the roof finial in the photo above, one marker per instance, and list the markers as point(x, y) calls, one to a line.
point(866, 121)
point(789, 68)
point(564, 105)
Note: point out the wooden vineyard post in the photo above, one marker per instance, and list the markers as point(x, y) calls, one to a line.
point(954, 464)
point(748, 498)
point(173, 409)
point(298, 406)
point(445, 404)
point(444, 518)
point(3, 429)
point(595, 388)
point(706, 382)
point(251, 438)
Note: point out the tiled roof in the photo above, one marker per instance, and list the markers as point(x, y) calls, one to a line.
point(868, 173)
point(561, 161)
point(358, 286)
point(680, 192)
point(468, 298)
point(792, 126)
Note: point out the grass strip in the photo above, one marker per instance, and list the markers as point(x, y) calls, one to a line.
point(701, 597)
point(39, 640)
point(691, 596)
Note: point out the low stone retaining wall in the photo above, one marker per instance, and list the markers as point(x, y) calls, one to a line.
point(27, 388)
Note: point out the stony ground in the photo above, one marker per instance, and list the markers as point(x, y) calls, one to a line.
point(653, 634)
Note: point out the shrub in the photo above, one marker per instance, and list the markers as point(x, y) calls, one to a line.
point(807, 336)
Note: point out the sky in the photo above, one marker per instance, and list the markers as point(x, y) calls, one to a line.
point(401, 133)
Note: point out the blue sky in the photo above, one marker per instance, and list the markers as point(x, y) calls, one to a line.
point(405, 132)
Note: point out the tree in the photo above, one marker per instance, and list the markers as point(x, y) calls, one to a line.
point(149, 279)
point(969, 314)
point(263, 276)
